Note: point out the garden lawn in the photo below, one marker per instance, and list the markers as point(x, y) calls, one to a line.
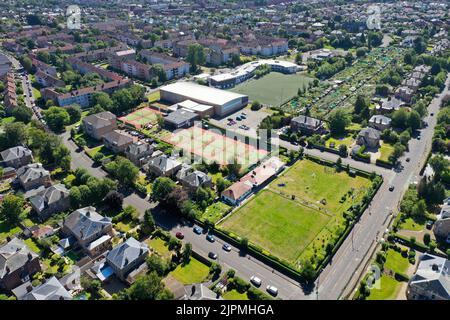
point(389, 289)
point(193, 272)
point(234, 295)
point(413, 225)
point(32, 245)
point(154, 96)
point(159, 245)
point(274, 88)
point(7, 231)
point(215, 212)
point(313, 182)
point(277, 224)
point(385, 151)
point(396, 262)
point(345, 140)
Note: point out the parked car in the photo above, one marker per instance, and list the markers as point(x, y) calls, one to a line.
point(197, 230)
point(212, 255)
point(210, 238)
point(226, 247)
point(272, 290)
point(408, 159)
point(419, 137)
point(429, 224)
point(391, 188)
point(256, 281)
point(179, 235)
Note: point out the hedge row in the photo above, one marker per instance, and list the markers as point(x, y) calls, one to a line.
point(384, 164)
point(328, 149)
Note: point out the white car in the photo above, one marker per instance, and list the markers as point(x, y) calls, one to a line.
point(256, 281)
point(272, 290)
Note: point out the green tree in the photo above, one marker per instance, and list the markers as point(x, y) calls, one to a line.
point(196, 56)
point(12, 208)
point(103, 100)
point(186, 254)
point(56, 118)
point(147, 287)
point(414, 121)
point(339, 120)
point(74, 112)
point(162, 187)
point(124, 170)
point(157, 264)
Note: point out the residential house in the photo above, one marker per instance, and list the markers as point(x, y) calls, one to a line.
point(126, 257)
point(431, 281)
point(307, 125)
point(199, 291)
point(16, 157)
point(17, 264)
point(99, 124)
point(91, 230)
point(117, 141)
point(194, 180)
point(10, 95)
point(441, 226)
point(390, 105)
point(139, 152)
point(380, 122)
point(163, 165)
point(47, 80)
point(32, 176)
point(237, 192)
point(52, 200)
point(404, 93)
point(369, 137)
point(51, 289)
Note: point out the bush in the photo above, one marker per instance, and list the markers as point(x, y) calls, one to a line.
point(426, 238)
point(240, 285)
point(401, 277)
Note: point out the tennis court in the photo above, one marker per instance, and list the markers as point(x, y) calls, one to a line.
point(141, 117)
point(213, 146)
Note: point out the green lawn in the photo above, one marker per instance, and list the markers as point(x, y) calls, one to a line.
point(321, 185)
point(106, 152)
point(345, 140)
point(234, 295)
point(32, 245)
point(277, 224)
point(413, 225)
point(215, 211)
point(193, 272)
point(389, 289)
point(7, 231)
point(274, 88)
point(386, 150)
point(395, 262)
point(154, 96)
point(124, 226)
point(36, 93)
point(159, 245)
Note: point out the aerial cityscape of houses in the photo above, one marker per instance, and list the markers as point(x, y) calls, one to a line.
point(224, 150)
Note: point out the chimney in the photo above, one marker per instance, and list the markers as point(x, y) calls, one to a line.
point(435, 267)
point(30, 256)
point(126, 261)
point(7, 269)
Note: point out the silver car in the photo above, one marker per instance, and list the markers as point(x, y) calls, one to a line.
point(272, 290)
point(256, 281)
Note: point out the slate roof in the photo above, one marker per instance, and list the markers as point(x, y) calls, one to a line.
point(31, 172)
point(50, 290)
point(307, 121)
point(138, 148)
point(117, 138)
point(49, 196)
point(197, 179)
point(15, 153)
point(370, 133)
point(380, 119)
point(433, 275)
point(100, 120)
point(14, 255)
point(179, 116)
point(126, 252)
point(85, 222)
point(163, 163)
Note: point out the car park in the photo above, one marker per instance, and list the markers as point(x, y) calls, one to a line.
point(212, 255)
point(255, 281)
point(272, 290)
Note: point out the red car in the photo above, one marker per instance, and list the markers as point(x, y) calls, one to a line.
point(179, 235)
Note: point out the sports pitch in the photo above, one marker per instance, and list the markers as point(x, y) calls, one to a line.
point(141, 117)
point(299, 212)
point(214, 147)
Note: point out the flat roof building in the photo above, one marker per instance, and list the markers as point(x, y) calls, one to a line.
point(224, 102)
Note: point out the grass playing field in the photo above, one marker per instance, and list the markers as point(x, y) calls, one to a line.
point(299, 213)
point(277, 224)
point(274, 88)
point(212, 146)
